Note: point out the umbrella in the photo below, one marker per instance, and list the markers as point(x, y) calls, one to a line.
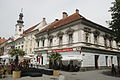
point(5, 56)
point(27, 57)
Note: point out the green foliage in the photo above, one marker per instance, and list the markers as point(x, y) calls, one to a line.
point(17, 52)
point(115, 23)
point(54, 56)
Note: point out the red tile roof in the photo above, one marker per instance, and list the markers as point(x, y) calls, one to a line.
point(61, 22)
point(2, 40)
point(30, 29)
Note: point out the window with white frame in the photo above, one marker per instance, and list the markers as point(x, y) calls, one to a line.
point(60, 37)
point(50, 40)
point(70, 35)
point(87, 34)
point(70, 38)
point(111, 41)
point(43, 43)
point(106, 38)
point(96, 36)
point(60, 40)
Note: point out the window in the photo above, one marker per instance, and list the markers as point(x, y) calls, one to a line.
point(70, 40)
point(96, 36)
point(50, 39)
point(95, 39)
point(60, 40)
point(22, 46)
point(70, 32)
point(37, 43)
point(60, 36)
point(105, 42)
point(43, 43)
point(86, 37)
point(87, 34)
point(110, 42)
point(50, 42)
point(20, 29)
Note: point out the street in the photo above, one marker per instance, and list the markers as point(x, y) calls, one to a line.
point(88, 75)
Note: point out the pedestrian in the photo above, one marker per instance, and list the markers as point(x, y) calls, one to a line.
point(113, 70)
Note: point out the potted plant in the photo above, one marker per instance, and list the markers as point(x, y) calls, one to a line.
point(17, 53)
point(55, 58)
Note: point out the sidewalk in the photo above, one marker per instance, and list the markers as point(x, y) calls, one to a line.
point(44, 77)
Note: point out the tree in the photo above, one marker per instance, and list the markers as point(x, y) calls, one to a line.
point(115, 23)
point(54, 59)
point(16, 53)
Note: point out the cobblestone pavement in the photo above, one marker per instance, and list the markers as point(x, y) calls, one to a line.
point(91, 75)
point(88, 75)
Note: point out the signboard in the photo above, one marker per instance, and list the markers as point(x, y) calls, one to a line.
point(63, 50)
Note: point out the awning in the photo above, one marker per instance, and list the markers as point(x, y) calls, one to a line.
point(5, 56)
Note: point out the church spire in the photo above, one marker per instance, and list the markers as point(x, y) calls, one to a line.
point(19, 26)
point(20, 17)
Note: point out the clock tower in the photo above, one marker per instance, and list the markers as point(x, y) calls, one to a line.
point(19, 26)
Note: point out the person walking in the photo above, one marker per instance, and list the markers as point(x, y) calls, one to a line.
point(113, 70)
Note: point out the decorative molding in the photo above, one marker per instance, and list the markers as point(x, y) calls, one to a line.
point(50, 36)
point(60, 34)
point(96, 33)
point(69, 31)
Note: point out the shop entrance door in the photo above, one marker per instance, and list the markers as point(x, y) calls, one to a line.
point(42, 60)
point(96, 61)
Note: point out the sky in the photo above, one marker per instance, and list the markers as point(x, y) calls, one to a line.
point(35, 10)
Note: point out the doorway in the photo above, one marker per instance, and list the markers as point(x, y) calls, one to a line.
point(42, 60)
point(96, 61)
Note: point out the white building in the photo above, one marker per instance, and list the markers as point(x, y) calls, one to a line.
point(75, 36)
point(25, 39)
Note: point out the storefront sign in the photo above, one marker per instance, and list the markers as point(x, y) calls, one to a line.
point(62, 50)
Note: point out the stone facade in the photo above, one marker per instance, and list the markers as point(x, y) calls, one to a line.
point(94, 43)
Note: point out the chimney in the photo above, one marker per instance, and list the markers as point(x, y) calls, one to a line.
point(43, 19)
point(56, 20)
point(77, 11)
point(65, 15)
